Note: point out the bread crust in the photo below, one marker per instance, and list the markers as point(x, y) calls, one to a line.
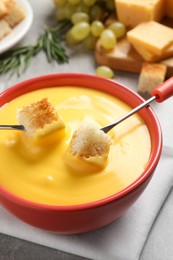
point(89, 141)
point(37, 115)
point(4, 29)
point(11, 14)
point(151, 76)
point(89, 149)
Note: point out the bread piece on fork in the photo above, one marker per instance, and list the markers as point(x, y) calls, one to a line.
point(88, 149)
point(40, 119)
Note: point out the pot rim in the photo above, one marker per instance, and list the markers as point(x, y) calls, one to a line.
point(104, 85)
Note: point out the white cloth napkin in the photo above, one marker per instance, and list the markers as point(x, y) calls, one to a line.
point(123, 239)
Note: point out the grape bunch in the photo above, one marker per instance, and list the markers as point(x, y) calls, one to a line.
point(88, 19)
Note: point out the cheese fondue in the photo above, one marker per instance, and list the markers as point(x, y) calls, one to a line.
point(38, 172)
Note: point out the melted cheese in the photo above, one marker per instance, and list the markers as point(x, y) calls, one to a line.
point(39, 173)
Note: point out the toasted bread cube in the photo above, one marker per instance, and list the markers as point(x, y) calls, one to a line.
point(9, 4)
point(3, 9)
point(88, 149)
point(89, 141)
point(4, 29)
point(134, 12)
point(39, 118)
point(151, 76)
point(15, 16)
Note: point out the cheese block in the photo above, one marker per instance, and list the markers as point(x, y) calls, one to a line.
point(149, 56)
point(125, 58)
point(151, 76)
point(152, 36)
point(169, 8)
point(133, 12)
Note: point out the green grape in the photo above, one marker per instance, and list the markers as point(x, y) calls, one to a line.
point(107, 39)
point(82, 8)
point(96, 12)
point(97, 28)
point(79, 17)
point(104, 71)
point(60, 14)
point(74, 2)
point(65, 12)
point(118, 29)
point(90, 42)
point(70, 9)
point(69, 38)
point(89, 2)
point(60, 3)
point(110, 4)
point(80, 31)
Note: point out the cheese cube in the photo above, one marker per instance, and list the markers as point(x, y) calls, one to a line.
point(149, 56)
point(151, 36)
point(151, 76)
point(133, 12)
point(169, 8)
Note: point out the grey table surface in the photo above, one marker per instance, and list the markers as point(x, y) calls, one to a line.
point(159, 242)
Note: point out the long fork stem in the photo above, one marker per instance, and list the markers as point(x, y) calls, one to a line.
point(107, 128)
point(12, 127)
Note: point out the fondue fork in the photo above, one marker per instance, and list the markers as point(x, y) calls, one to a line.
point(108, 127)
point(12, 127)
point(159, 94)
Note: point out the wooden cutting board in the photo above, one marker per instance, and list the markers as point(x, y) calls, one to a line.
point(124, 57)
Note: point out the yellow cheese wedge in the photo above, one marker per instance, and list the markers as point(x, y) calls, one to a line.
point(151, 36)
point(151, 57)
point(133, 12)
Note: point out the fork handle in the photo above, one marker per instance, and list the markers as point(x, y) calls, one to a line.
point(163, 91)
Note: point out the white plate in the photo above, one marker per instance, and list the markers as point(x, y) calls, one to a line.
point(20, 30)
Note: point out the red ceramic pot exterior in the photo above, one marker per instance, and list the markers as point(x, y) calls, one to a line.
point(70, 220)
point(90, 216)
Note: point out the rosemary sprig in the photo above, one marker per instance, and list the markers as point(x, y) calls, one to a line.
point(18, 60)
